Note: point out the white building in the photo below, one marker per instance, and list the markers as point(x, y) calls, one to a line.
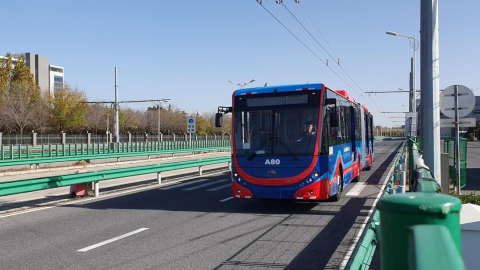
point(48, 77)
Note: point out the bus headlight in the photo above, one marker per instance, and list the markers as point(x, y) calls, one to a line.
point(235, 175)
point(315, 174)
point(310, 180)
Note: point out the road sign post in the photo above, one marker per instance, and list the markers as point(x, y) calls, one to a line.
point(463, 101)
point(191, 128)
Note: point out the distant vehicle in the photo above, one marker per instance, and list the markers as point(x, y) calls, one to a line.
point(302, 142)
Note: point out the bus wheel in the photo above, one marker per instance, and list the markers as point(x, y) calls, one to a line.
point(338, 195)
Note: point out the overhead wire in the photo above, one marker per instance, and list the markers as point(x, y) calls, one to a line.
point(308, 48)
point(305, 29)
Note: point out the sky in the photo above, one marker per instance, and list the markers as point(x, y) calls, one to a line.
point(187, 51)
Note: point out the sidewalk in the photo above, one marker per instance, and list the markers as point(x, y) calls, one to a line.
point(50, 196)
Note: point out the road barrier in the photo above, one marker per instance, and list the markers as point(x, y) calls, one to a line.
point(36, 161)
point(416, 230)
point(11, 152)
point(22, 186)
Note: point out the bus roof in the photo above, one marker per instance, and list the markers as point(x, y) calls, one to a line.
point(279, 88)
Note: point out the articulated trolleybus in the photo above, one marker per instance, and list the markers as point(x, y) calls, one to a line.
point(300, 142)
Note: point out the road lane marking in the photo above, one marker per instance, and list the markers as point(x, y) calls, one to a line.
point(355, 191)
point(184, 184)
point(349, 253)
point(92, 199)
point(111, 240)
point(220, 187)
point(227, 199)
point(473, 156)
point(205, 185)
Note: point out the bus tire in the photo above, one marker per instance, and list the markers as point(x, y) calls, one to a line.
point(338, 195)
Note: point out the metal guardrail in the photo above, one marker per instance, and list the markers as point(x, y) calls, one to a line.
point(56, 150)
point(420, 229)
point(432, 247)
point(22, 186)
point(421, 178)
point(117, 155)
point(363, 253)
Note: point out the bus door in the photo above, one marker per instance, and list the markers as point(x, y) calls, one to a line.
point(354, 134)
point(364, 139)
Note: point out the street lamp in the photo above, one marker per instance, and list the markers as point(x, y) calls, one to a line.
point(242, 85)
point(414, 44)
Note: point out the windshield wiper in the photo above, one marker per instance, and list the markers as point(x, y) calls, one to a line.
point(259, 147)
point(286, 148)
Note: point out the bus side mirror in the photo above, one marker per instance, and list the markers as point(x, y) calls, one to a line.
point(334, 119)
point(218, 119)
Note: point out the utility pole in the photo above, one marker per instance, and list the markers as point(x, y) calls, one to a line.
point(429, 84)
point(159, 136)
point(117, 124)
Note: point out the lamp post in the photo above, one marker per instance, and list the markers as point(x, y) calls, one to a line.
point(242, 85)
point(414, 44)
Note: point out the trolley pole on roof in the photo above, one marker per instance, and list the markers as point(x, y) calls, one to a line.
point(429, 74)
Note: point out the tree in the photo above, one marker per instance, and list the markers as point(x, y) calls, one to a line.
point(96, 118)
point(43, 114)
point(5, 72)
point(69, 109)
point(19, 95)
point(20, 104)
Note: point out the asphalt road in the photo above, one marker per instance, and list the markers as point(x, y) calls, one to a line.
point(192, 224)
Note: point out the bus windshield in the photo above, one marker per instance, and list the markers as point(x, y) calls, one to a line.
point(276, 131)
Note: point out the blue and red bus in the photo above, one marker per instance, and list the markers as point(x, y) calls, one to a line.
point(298, 142)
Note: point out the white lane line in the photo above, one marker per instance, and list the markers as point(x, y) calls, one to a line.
point(227, 199)
point(184, 184)
point(473, 156)
point(206, 185)
point(220, 187)
point(355, 191)
point(92, 199)
point(344, 262)
point(111, 240)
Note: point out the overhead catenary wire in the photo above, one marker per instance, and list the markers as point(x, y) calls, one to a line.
point(335, 60)
point(323, 61)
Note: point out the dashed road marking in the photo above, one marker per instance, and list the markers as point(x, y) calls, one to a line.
point(220, 187)
point(111, 240)
point(206, 185)
point(184, 184)
point(355, 191)
point(226, 199)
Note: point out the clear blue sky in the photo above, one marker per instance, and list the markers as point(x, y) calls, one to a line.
point(188, 50)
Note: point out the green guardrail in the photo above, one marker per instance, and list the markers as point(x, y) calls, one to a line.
point(432, 247)
point(22, 186)
point(420, 229)
point(363, 253)
point(39, 160)
point(10, 152)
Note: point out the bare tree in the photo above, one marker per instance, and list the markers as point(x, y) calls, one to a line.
point(20, 104)
point(96, 117)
